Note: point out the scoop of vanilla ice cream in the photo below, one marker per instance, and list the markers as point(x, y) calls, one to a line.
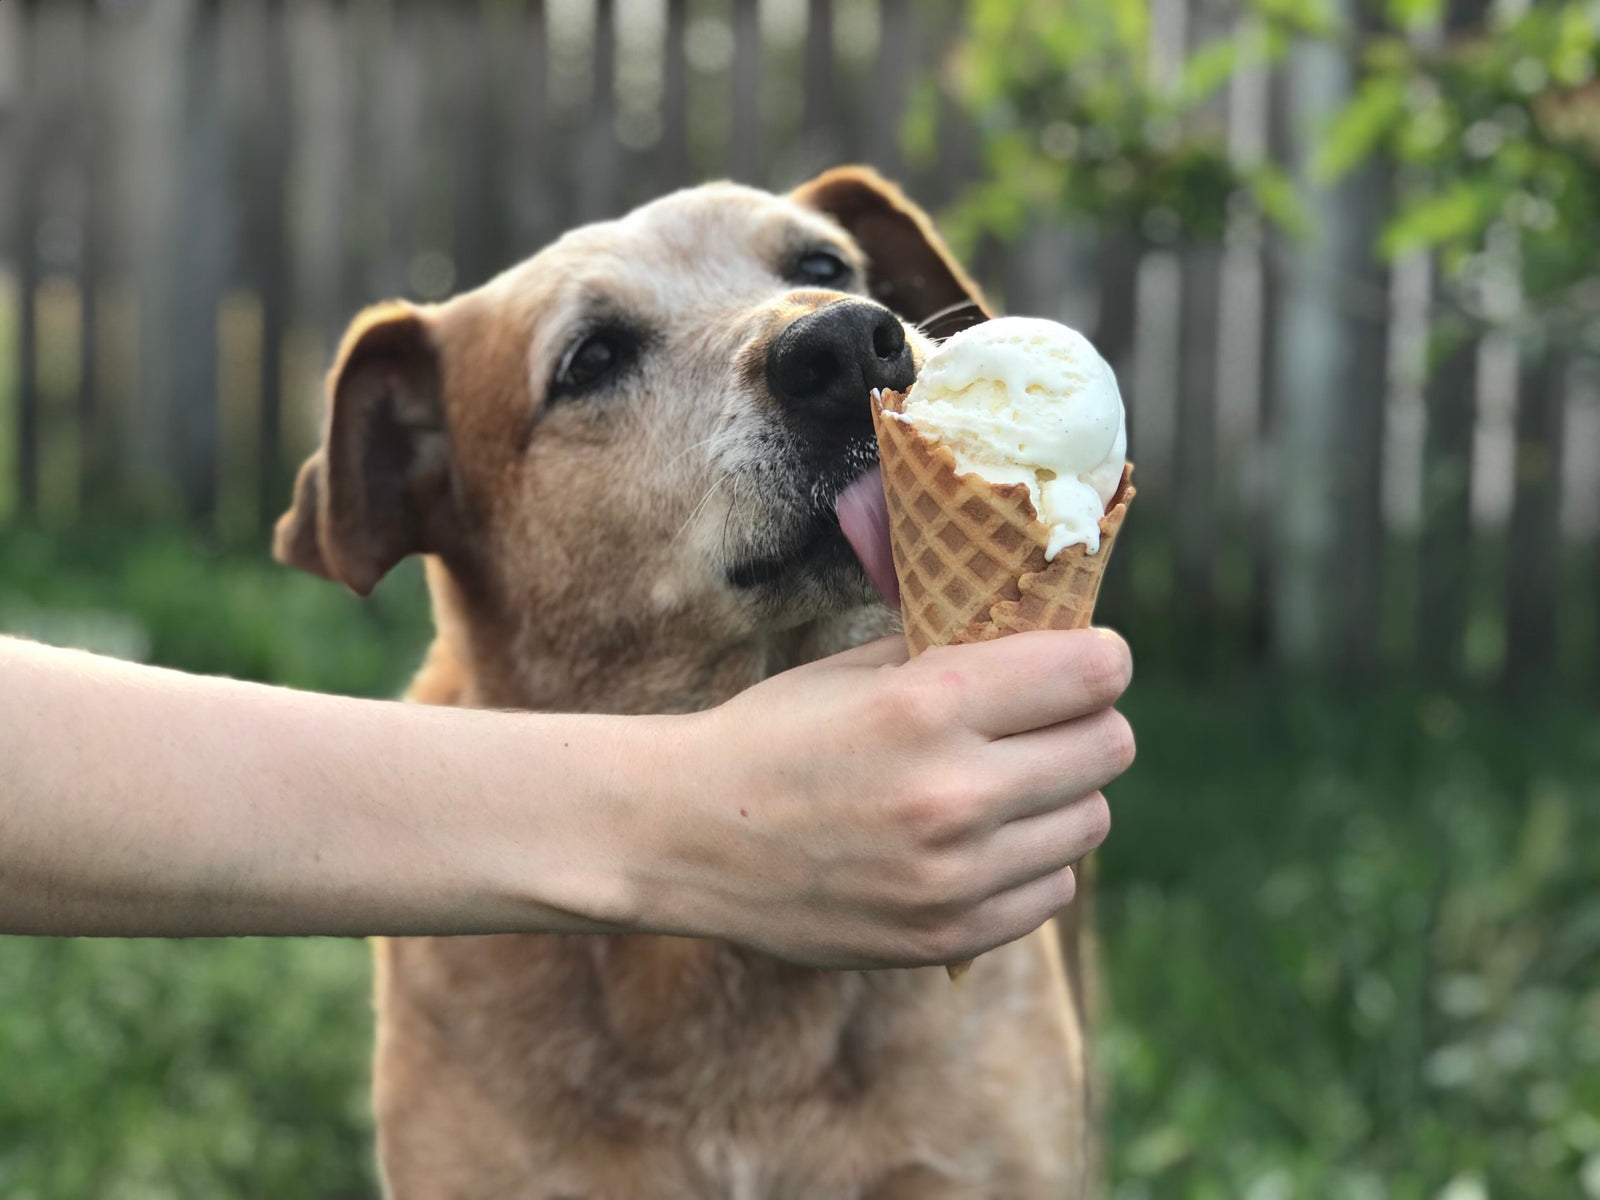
point(1025, 400)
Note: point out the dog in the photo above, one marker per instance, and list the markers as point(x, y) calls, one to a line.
point(619, 460)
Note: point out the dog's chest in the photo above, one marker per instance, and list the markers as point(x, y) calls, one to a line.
point(649, 1028)
point(658, 1069)
point(711, 1029)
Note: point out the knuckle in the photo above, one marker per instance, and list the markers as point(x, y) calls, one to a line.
point(941, 943)
point(1066, 887)
point(921, 813)
point(940, 812)
point(1096, 819)
point(938, 886)
point(928, 703)
point(1106, 666)
point(1120, 745)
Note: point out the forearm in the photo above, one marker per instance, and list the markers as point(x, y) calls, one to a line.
point(142, 802)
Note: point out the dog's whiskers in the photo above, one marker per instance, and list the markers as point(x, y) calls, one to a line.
point(704, 500)
point(687, 450)
point(739, 480)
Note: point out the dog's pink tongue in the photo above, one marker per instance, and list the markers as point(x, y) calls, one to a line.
point(864, 517)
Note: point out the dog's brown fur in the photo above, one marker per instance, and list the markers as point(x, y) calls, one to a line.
point(579, 558)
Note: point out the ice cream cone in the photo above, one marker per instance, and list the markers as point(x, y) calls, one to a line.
point(970, 555)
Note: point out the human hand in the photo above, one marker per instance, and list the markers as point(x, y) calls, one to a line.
point(866, 811)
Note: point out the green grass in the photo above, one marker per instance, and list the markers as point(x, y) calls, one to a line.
point(1352, 940)
point(1353, 948)
point(182, 602)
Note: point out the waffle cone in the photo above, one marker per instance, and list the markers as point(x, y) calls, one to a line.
point(969, 554)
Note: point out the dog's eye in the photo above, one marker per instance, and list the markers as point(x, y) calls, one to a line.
point(820, 268)
point(590, 361)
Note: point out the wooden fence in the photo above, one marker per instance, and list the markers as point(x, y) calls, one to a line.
point(196, 195)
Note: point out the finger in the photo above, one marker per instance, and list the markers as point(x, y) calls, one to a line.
point(1016, 913)
point(1038, 846)
point(885, 651)
point(1044, 769)
point(1032, 680)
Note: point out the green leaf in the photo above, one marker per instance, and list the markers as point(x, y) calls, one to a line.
point(1438, 218)
point(1355, 133)
point(1209, 68)
point(1412, 15)
point(919, 127)
point(1313, 17)
point(1276, 195)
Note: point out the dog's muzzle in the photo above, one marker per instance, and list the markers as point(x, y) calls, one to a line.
point(821, 369)
point(820, 372)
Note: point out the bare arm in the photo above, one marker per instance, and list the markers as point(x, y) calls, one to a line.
point(857, 811)
point(139, 801)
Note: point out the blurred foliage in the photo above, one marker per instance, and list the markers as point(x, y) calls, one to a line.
point(1496, 127)
point(1352, 942)
point(170, 1070)
point(1493, 124)
point(1353, 950)
point(173, 598)
point(1078, 119)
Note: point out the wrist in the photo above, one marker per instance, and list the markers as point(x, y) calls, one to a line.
point(559, 838)
point(671, 843)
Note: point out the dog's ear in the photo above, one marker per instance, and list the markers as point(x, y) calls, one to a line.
point(381, 485)
point(910, 270)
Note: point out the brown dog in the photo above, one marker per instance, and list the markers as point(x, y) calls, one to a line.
point(620, 458)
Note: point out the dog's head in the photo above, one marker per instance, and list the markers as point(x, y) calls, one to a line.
point(652, 417)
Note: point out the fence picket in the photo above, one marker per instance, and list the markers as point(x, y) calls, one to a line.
point(198, 255)
point(1364, 372)
point(899, 49)
point(599, 157)
point(86, 133)
point(26, 150)
point(475, 211)
point(1196, 544)
point(1446, 541)
point(1116, 273)
point(673, 155)
point(1533, 565)
point(287, 161)
point(819, 118)
point(744, 96)
point(267, 245)
point(532, 219)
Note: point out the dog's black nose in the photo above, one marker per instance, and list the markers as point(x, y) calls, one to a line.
point(823, 365)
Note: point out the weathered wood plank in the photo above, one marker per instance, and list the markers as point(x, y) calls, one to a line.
point(94, 450)
point(199, 257)
point(1263, 521)
point(1445, 548)
point(1196, 544)
point(1310, 377)
point(532, 216)
point(819, 120)
point(673, 169)
point(599, 181)
point(744, 96)
point(476, 228)
point(268, 243)
point(1533, 577)
point(899, 48)
point(26, 157)
point(1116, 275)
point(1365, 199)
